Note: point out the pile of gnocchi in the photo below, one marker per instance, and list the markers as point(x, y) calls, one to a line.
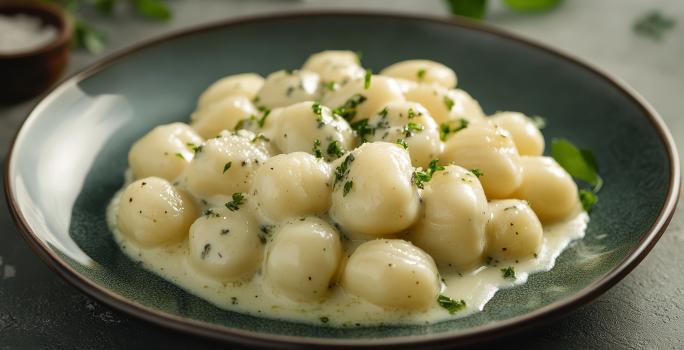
point(329, 181)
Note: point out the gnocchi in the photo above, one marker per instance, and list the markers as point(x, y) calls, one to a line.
point(333, 196)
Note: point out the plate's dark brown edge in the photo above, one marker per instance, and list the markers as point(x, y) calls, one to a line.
point(471, 336)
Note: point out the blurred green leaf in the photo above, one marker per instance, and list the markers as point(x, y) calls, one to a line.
point(468, 8)
point(654, 25)
point(105, 6)
point(88, 37)
point(154, 9)
point(531, 5)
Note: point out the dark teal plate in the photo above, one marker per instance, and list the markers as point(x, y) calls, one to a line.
point(69, 156)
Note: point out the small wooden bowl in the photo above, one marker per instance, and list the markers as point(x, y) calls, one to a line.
point(26, 74)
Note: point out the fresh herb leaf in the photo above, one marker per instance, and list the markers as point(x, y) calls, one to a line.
point(508, 272)
point(87, 37)
point(227, 166)
point(334, 149)
point(451, 305)
point(420, 74)
point(420, 177)
point(367, 79)
point(448, 102)
point(238, 199)
point(342, 170)
point(180, 155)
point(447, 127)
point(265, 114)
point(347, 187)
point(653, 25)
point(403, 143)
point(412, 127)
point(412, 114)
point(579, 163)
point(477, 172)
point(348, 109)
point(587, 198)
point(317, 148)
point(362, 128)
point(153, 9)
point(538, 121)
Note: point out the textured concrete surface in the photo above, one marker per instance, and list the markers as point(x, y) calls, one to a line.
point(645, 310)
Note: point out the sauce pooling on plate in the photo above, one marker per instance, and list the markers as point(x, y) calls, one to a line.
point(331, 195)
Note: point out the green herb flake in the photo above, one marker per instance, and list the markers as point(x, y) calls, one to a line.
point(477, 172)
point(210, 212)
point(420, 74)
point(265, 112)
point(448, 102)
point(238, 199)
point(227, 166)
point(508, 272)
point(260, 137)
point(348, 109)
point(448, 127)
point(420, 177)
point(317, 148)
point(324, 319)
point(412, 127)
point(362, 128)
point(451, 305)
point(342, 170)
point(347, 188)
point(205, 251)
point(334, 149)
point(317, 108)
point(331, 86)
point(653, 25)
point(180, 155)
point(588, 198)
point(412, 114)
point(402, 143)
point(367, 79)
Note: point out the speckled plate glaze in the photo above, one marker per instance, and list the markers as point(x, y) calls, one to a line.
point(69, 156)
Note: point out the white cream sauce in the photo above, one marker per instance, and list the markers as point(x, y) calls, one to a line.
point(254, 297)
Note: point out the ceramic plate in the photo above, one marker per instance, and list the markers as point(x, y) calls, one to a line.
point(69, 157)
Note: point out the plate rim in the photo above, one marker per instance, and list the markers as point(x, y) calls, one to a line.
point(447, 338)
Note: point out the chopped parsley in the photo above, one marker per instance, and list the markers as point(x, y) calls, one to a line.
point(210, 212)
point(196, 149)
point(362, 129)
point(334, 149)
point(317, 148)
point(180, 155)
point(238, 199)
point(412, 127)
point(205, 251)
point(331, 86)
point(367, 79)
point(317, 108)
point(324, 319)
point(260, 137)
point(348, 109)
point(420, 74)
point(421, 177)
point(580, 164)
point(342, 170)
point(447, 127)
point(265, 112)
point(451, 305)
point(383, 113)
point(508, 272)
point(412, 114)
point(477, 172)
point(227, 166)
point(448, 102)
point(402, 143)
point(347, 188)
